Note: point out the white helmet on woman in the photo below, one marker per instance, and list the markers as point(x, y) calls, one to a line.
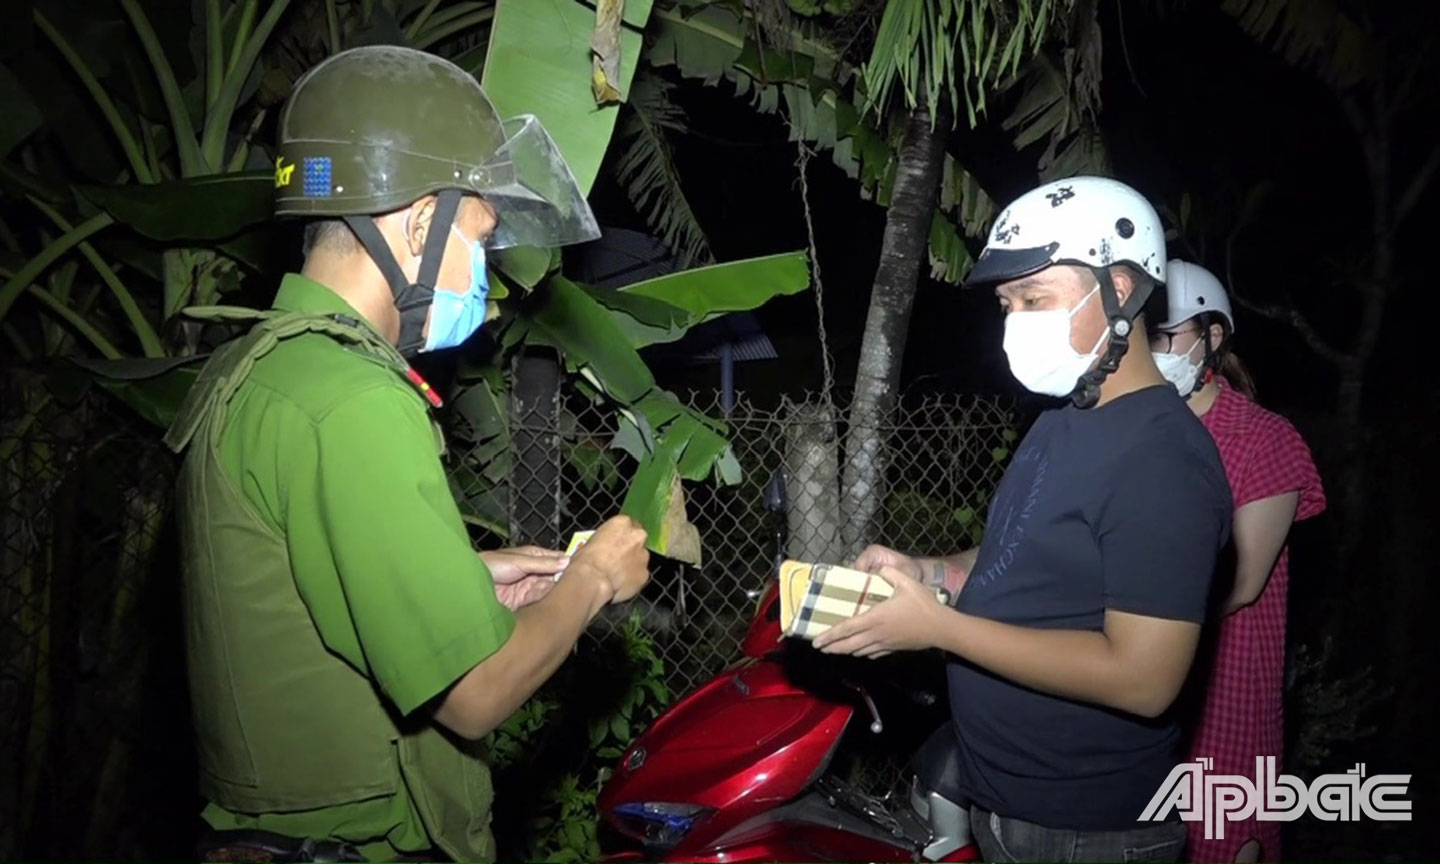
point(1192, 289)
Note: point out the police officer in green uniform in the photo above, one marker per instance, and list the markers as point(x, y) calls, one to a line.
point(346, 645)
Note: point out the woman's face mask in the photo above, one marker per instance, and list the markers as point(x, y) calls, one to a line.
point(1037, 344)
point(1181, 369)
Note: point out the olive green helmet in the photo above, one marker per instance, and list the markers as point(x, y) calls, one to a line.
point(373, 129)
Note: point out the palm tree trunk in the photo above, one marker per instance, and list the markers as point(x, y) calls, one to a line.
point(903, 251)
point(813, 502)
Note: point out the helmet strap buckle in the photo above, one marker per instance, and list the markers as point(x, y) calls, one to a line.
point(1120, 318)
point(412, 299)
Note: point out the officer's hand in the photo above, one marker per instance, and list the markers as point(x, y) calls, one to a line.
point(508, 566)
point(517, 595)
point(875, 557)
point(617, 553)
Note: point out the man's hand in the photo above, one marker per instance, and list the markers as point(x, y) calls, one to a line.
point(617, 553)
point(906, 621)
point(875, 557)
point(531, 589)
point(508, 566)
point(523, 575)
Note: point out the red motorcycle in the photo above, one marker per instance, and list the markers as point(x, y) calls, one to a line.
point(738, 770)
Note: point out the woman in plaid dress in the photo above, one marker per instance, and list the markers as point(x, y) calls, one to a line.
point(1274, 484)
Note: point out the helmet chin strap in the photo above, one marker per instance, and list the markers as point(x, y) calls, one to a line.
point(1121, 322)
point(412, 299)
point(1209, 365)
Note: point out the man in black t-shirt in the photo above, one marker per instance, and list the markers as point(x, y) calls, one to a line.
point(1076, 621)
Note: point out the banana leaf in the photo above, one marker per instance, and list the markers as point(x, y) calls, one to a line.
point(656, 500)
point(539, 62)
point(482, 434)
point(663, 309)
point(735, 286)
point(154, 387)
point(197, 210)
point(22, 116)
point(568, 318)
point(525, 265)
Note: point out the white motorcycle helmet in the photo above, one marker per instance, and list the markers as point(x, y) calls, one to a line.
point(1093, 222)
point(1192, 291)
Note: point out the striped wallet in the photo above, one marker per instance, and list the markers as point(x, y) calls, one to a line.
point(816, 597)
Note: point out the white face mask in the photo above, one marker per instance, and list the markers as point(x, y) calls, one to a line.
point(1038, 347)
point(1178, 369)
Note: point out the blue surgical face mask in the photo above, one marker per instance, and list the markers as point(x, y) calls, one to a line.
point(455, 317)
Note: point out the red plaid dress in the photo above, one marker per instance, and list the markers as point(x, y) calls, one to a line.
point(1243, 713)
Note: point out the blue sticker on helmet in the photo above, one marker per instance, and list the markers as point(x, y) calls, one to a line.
point(317, 177)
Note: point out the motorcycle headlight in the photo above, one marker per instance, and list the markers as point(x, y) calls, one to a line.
point(659, 825)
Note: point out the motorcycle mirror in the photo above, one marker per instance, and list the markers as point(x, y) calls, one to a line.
point(776, 496)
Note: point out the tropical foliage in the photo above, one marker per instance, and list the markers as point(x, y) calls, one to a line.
point(173, 194)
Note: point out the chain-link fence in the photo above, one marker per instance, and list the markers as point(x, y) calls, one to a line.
point(93, 705)
point(566, 473)
point(562, 466)
point(92, 711)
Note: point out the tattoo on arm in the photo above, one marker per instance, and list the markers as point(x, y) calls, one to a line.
point(936, 577)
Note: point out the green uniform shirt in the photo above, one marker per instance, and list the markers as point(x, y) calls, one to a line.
point(336, 453)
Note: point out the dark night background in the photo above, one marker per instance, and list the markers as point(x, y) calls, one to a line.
point(1196, 107)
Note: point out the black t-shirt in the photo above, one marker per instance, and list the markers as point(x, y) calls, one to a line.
point(1124, 506)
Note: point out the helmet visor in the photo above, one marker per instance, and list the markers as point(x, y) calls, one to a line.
point(536, 199)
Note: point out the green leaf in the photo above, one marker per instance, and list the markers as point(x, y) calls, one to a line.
point(478, 482)
point(629, 438)
point(1000, 454)
point(594, 464)
point(574, 322)
point(660, 408)
point(22, 117)
point(704, 45)
point(949, 257)
point(657, 501)
point(704, 448)
point(646, 169)
point(214, 207)
point(646, 311)
point(256, 247)
point(620, 729)
point(539, 62)
point(769, 66)
point(735, 286)
point(727, 469)
point(154, 387)
point(574, 836)
point(1318, 35)
point(964, 515)
point(525, 265)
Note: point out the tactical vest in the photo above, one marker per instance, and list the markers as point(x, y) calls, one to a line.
point(282, 724)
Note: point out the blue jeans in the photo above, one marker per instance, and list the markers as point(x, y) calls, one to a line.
point(1003, 838)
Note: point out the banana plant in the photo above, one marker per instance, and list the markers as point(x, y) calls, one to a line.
point(197, 188)
point(536, 65)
